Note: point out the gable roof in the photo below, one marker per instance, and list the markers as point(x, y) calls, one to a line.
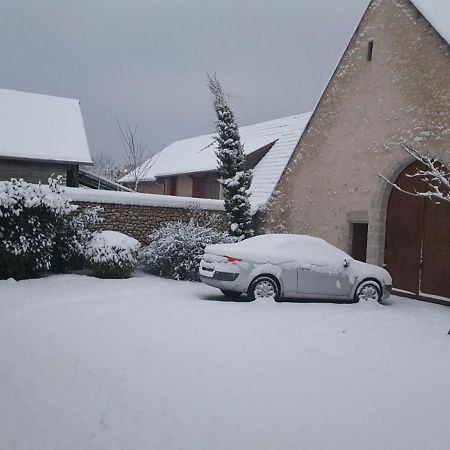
point(194, 155)
point(437, 12)
point(42, 127)
point(268, 171)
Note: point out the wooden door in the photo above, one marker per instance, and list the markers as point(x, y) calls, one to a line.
point(417, 244)
point(359, 241)
point(173, 186)
point(198, 187)
point(435, 268)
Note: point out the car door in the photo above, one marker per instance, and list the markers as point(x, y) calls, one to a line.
point(289, 281)
point(316, 281)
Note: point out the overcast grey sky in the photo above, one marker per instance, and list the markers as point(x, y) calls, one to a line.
point(146, 60)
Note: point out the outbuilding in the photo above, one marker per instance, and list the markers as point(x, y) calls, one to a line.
point(41, 136)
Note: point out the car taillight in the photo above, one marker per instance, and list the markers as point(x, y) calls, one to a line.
point(232, 259)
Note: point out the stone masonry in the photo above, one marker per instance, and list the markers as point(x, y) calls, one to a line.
point(391, 86)
point(139, 221)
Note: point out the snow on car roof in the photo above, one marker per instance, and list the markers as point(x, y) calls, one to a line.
point(281, 249)
point(198, 154)
point(278, 238)
point(437, 12)
point(43, 127)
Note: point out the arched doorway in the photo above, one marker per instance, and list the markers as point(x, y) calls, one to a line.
point(417, 244)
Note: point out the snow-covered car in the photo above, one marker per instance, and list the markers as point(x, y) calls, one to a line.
point(292, 266)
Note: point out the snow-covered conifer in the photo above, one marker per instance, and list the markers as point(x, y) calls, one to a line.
point(235, 180)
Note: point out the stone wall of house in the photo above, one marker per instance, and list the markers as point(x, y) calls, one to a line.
point(139, 221)
point(212, 186)
point(148, 187)
point(371, 105)
point(184, 186)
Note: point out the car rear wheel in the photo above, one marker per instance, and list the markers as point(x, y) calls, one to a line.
point(263, 287)
point(231, 294)
point(368, 290)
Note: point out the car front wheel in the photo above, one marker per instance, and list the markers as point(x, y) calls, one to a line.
point(263, 287)
point(368, 290)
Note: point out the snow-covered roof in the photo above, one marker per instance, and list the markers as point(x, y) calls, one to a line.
point(198, 154)
point(269, 170)
point(43, 127)
point(437, 12)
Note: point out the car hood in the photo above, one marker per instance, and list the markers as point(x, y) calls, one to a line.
point(366, 270)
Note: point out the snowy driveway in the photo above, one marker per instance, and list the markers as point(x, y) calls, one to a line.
point(148, 363)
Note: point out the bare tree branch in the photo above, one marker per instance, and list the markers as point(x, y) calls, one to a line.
point(104, 165)
point(137, 155)
point(435, 173)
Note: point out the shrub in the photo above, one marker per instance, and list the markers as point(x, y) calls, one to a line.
point(176, 249)
point(205, 218)
point(72, 239)
point(30, 217)
point(112, 254)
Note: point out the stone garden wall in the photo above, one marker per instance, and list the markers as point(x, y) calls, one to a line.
point(138, 215)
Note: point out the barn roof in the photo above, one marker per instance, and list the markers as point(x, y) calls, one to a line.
point(197, 154)
point(42, 127)
point(437, 12)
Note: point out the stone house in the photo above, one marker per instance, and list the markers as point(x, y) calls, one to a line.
point(40, 136)
point(188, 167)
point(392, 85)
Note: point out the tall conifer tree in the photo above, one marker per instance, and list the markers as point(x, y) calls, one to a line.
point(235, 180)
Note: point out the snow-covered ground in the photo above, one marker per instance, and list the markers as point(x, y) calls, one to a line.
point(147, 363)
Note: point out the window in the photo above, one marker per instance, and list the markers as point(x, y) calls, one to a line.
point(359, 233)
point(370, 51)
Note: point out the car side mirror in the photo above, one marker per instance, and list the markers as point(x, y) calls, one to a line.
point(346, 262)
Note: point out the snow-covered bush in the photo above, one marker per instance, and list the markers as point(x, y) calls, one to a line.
point(112, 254)
point(72, 239)
point(30, 216)
point(39, 230)
point(177, 247)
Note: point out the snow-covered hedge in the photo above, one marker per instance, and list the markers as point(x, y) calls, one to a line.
point(38, 231)
point(177, 247)
point(112, 254)
point(30, 216)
